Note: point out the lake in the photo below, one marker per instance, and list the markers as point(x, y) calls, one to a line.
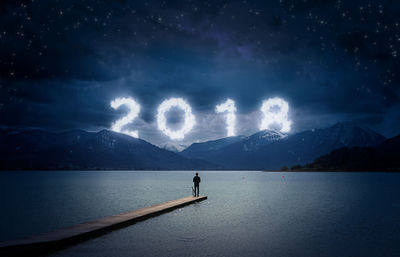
point(248, 213)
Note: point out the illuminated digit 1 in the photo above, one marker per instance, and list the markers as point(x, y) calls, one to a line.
point(280, 116)
point(229, 108)
point(134, 109)
point(188, 124)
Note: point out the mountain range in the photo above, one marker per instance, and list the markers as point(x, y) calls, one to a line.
point(78, 149)
point(271, 150)
point(264, 150)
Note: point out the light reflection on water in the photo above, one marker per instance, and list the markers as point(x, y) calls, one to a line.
point(247, 213)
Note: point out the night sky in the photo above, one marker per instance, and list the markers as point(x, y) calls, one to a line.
point(62, 62)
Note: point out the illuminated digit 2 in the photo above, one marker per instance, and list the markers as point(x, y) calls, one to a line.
point(189, 120)
point(229, 108)
point(134, 109)
point(279, 116)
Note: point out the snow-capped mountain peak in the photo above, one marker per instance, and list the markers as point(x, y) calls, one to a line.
point(259, 139)
point(174, 148)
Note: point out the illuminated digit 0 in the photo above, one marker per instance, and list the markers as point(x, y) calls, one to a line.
point(189, 121)
point(229, 108)
point(134, 109)
point(279, 117)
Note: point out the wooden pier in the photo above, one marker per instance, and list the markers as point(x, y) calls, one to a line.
point(49, 242)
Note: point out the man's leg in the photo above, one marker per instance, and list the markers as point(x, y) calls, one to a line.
point(198, 189)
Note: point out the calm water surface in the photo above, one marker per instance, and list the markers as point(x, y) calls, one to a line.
point(247, 213)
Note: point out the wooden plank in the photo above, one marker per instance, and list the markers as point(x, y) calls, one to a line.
point(62, 238)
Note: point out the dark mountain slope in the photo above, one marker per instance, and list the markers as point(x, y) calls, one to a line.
point(385, 157)
point(205, 149)
point(304, 147)
point(37, 149)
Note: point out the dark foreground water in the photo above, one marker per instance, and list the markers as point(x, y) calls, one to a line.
point(247, 213)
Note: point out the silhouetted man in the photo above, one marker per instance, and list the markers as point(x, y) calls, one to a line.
point(196, 181)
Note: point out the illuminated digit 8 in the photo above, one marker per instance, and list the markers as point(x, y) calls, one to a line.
point(279, 117)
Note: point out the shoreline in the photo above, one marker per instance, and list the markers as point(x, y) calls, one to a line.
point(200, 170)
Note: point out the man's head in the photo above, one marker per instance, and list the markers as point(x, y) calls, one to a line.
point(197, 173)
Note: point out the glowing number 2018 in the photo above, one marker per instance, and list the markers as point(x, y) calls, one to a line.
point(189, 119)
point(134, 108)
point(229, 108)
point(279, 117)
point(275, 112)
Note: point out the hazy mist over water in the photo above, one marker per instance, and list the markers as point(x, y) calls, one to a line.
point(246, 214)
